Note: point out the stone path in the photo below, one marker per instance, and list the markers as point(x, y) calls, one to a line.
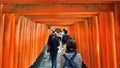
point(46, 63)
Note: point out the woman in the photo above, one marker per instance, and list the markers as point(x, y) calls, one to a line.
point(70, 51)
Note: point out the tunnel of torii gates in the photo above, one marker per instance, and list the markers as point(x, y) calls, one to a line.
point(26, 24)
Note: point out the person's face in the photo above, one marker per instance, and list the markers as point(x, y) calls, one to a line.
point(58, 34)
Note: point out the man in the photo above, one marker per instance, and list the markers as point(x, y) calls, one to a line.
point(54, 43)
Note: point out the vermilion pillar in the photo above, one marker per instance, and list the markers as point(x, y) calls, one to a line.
point(20, 43)
point(110, 35)
point(23, 58)
point(28, 44)
point(94, 42)
point(117, 32)
point(90, 40)
point(41, 36)
point(103, 47)
point(34, 45)
point(16, 47)
point(12, 40)
point(19, 36)
point(31, 43)
point(84, 42)
point(107, 40)
point(38, 39)
point(6, 41)
point(1, 34)
point(71, 30)
point(77, 35)
point(78, 27)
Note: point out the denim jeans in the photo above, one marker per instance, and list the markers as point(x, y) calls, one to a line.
point(53, 55)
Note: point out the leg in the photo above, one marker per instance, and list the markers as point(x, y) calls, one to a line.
point(55, 60)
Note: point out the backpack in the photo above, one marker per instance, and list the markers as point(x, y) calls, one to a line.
point(69, 62)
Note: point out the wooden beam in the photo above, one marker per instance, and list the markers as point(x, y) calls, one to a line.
point(56, 8)
point(59, 13)
point(70, 16)
point(56, 24)
point(67, 15)
point(57, 20)
point(56, 1)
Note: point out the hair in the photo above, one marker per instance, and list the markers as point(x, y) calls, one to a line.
point(71, 46)
point(65, 31)
point(53, 31)
point(58, 30)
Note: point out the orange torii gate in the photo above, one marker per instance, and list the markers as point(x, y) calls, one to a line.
point(95, 26)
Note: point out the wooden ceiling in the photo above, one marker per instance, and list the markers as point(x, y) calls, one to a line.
point(57, 12)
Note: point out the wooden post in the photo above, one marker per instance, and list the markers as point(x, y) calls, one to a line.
point(86, 46)
point(27, 58)
point(103, 47)
point(117, 32)
point(95, 43)
point(12, 41)
point(6, 41)
point(110, 35)
point(1, 34)
point(90, 38)
point(31, 43)
point(23, 58)
point(38, 38)
point(16, 49)
point(34, 45)
point(20, 43)
point(78, 36)
point(84, 43)
point(107, 40)
point(36, 55)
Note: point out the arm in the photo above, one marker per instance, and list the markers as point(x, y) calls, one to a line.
point(78, 60)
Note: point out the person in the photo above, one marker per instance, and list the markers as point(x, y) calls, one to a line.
point(58, 33)
point(50, 36)
point(48, 42)
point(70, 50)
point(65, 37)
point(53, 43)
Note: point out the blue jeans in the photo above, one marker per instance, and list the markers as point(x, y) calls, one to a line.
point(53, 55)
